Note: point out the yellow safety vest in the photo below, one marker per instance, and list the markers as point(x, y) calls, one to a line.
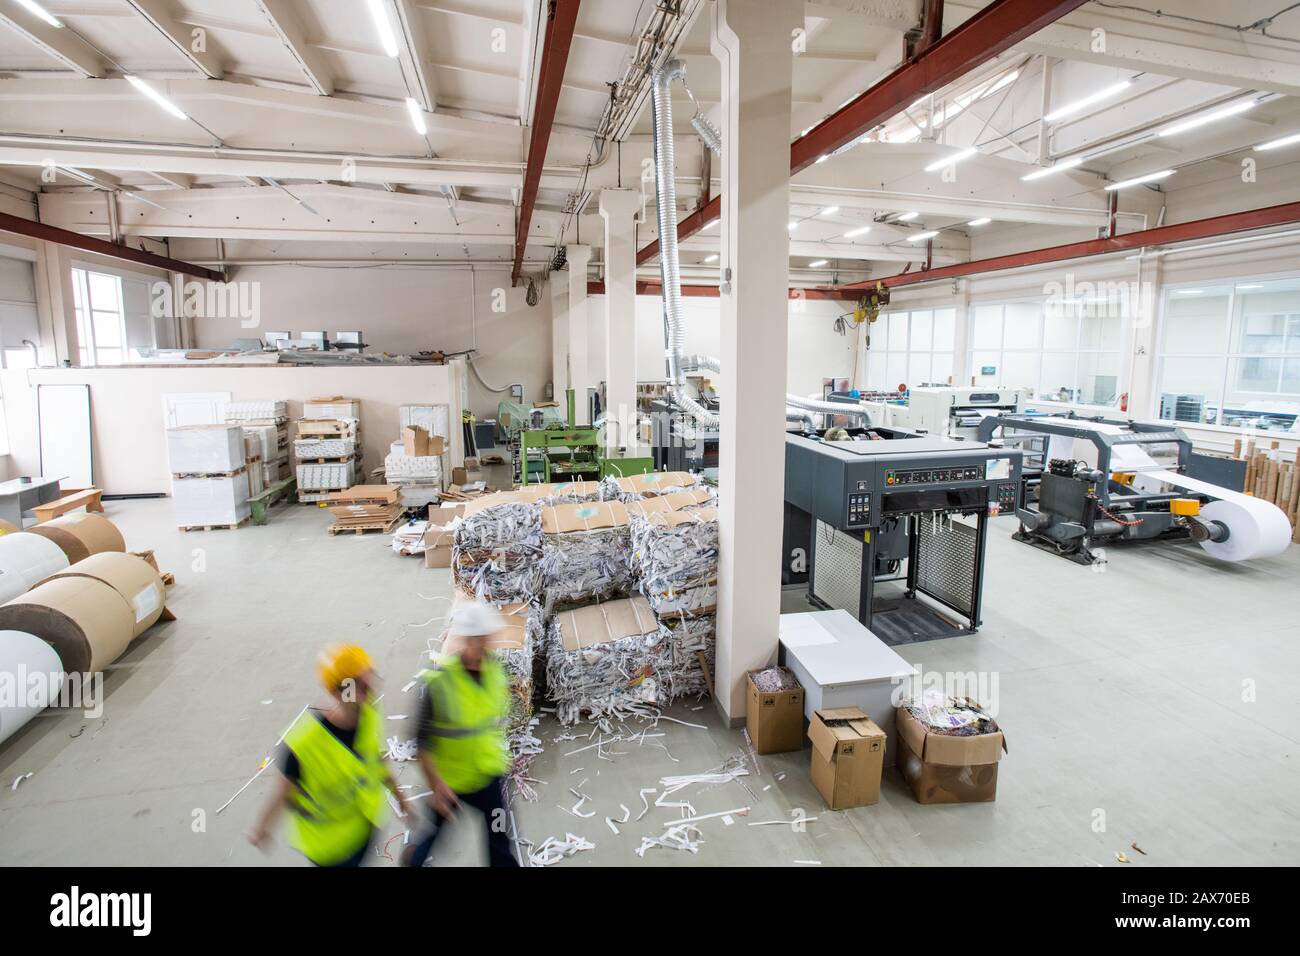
point(340, 793)
point(469, 742)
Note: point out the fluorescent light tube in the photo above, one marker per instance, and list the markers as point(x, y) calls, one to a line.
point(860, 231)
point(157, 97)
point(1278, 143)
point(386, 36)
point(923, 235)
point(908, 216)
point(1049, 170)
point(792, 225)
point(829, 211)
point(1136, 180)
point(712, 258)
point(35, 8)
point(1105, 93)
point(981, 221)
point(955, 158)
point(816, 263)
point(417, 116)
point(1211, 116)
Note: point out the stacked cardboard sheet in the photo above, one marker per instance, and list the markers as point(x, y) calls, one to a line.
point(365, 517)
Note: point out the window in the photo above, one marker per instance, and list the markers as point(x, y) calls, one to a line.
point(1066, 350)
point(1230, 354)
point(911, 348)
point(113, 317)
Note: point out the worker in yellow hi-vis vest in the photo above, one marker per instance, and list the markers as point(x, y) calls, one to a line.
point(461, 734)
point(332, 773)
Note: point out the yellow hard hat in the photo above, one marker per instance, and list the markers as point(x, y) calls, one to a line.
point(341, 662)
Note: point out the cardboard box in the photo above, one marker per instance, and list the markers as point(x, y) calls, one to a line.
point(332, 406)
point(609, 621)
point(415, 442)
point(775, 720)
point(658, 482)
point(437, 546)
point(941, 768)
point(446, 514)
point(848, 757)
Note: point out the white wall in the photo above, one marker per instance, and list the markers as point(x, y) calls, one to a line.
point(129, 446)
point(407, 309)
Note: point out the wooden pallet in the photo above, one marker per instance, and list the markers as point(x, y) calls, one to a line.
point(326, 461)
point(387, 527)
point(213, 527)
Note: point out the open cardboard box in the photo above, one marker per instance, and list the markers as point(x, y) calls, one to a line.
point(941, 768)
point(848, 757)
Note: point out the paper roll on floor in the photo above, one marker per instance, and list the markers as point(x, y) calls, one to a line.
point(87, 623)
point(38, 676)
point(81, 535)
point(25, 561)
point(1256, 528)
point(130, 576)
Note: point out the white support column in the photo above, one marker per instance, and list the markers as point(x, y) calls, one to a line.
point(56, 306)
point(580, 377)
point(618, 209)
point(752, 39)
point(559, 336)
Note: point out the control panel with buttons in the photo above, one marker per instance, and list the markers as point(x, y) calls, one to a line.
point(1006, 497)
point(925, 476)
point(859, 508)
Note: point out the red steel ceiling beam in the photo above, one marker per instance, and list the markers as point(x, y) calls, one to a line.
point(1215, 226)
point(561, 18)
point(66, 237)
point(994, 30)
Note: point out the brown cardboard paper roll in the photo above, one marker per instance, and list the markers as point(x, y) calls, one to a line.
point(87, 623)
point(82, 535)
point(8, 527)
point(131, 577)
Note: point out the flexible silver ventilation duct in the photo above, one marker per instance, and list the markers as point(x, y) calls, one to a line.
point(666, 203)
point(669, 272)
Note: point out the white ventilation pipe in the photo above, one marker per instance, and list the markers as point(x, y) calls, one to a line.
point(669, 269)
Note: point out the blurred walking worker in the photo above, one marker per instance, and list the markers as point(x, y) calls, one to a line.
point(461, 733)
point(332, 773)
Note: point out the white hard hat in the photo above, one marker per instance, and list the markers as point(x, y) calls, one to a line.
point(475, 619)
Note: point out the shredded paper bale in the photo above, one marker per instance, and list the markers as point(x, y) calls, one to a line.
point(497, 549)
point(601, 659)
point(678, 668)
point(650, 485)
point(676, 558)
point(586, 551)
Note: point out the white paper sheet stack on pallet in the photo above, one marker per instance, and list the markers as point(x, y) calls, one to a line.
point(601, 660)
point(676, 558)
point(209, 475)
point(497, 548)
point(419, 476)
point(268, 420)
point(330, 424)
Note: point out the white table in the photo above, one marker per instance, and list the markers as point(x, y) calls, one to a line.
point(842, 664)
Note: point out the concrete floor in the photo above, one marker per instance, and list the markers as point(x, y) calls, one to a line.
point(1154, 703)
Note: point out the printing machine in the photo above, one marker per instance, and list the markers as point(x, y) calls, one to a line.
point(887, 499)
point(953, 411)
point(678, 442)
point(1086, 476)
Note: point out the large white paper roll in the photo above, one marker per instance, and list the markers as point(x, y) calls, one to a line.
point(25, 561)
point(1256, 528)
point(35, 676)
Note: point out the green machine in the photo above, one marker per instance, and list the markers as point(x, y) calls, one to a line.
point(571, 453)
